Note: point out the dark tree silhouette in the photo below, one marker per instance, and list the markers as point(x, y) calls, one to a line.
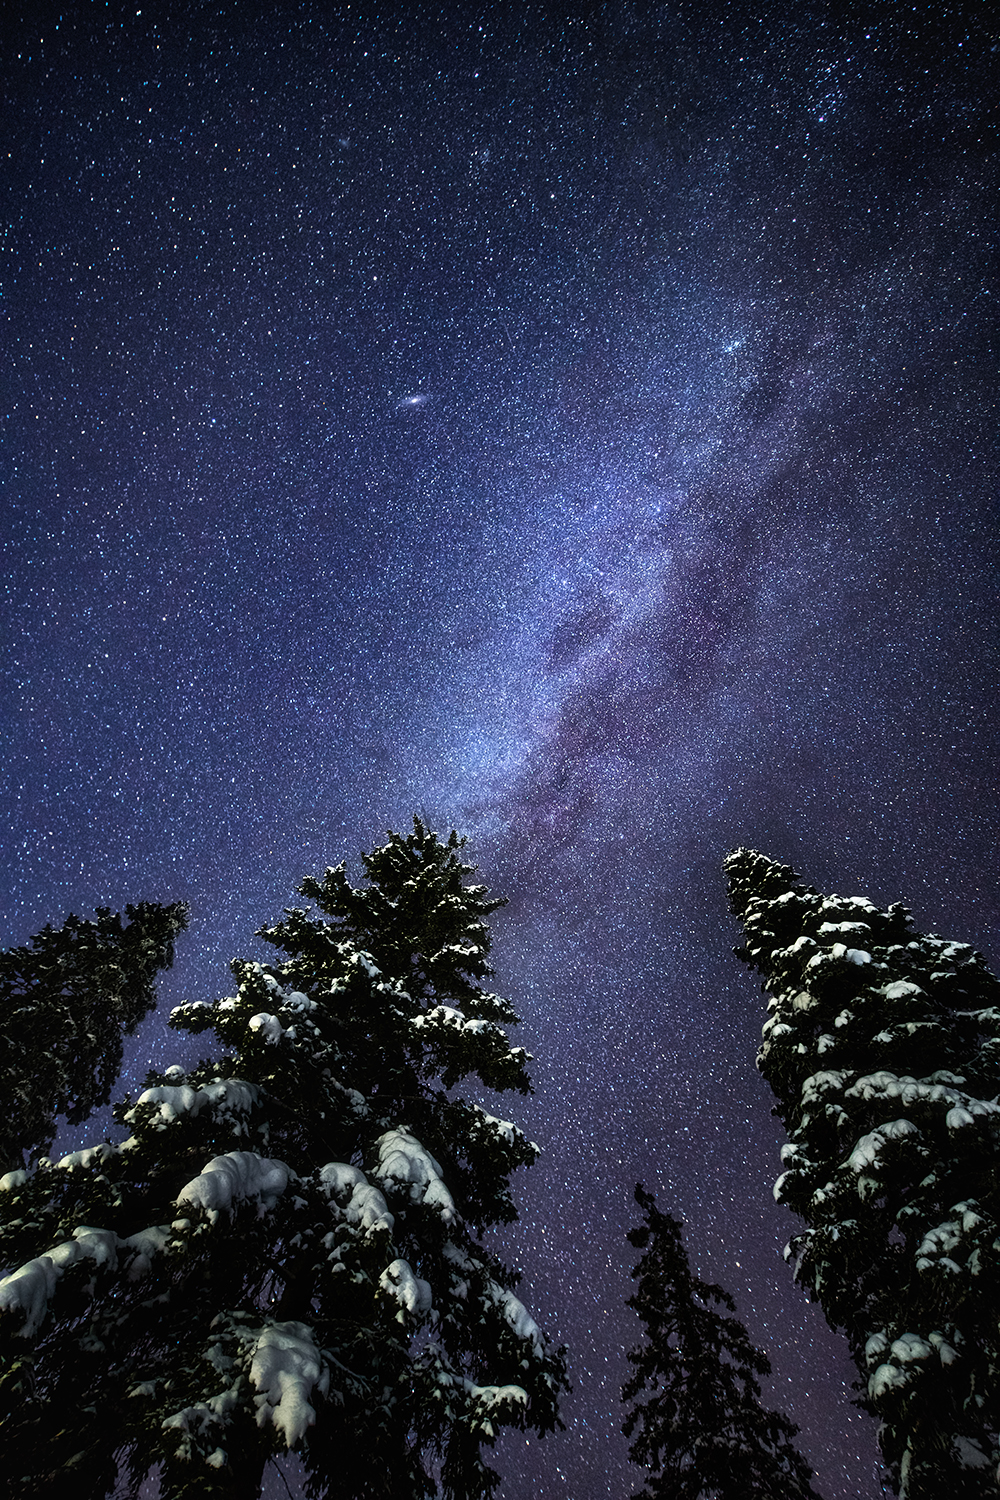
point(702, 1431)
point(66, 1000)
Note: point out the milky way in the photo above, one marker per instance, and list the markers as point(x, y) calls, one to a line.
point(576, 430)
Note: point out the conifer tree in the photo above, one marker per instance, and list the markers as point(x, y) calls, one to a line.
point(703, 1432)
point(284, 1252)
point(66, 1000)
point(882, 1047)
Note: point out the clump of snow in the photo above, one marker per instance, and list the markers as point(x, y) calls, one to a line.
point(459, 950)
point(971, 1219)
point(411, 1292)
point(402, 1160)
point(28, 1289)
point(295, 1000)
point(818, 1084)
point(841, 952)
point(361, 1203)
point(271, 1027)
point(446, 1015)
point(228, 1179)
point(835, 903)
point(887, 1378)
point(231, 1095)
point(936, 1245)
point(506, 1129)
point(340, 1178)
point(89, 1157)
point(869, 1147)
point(11, 1180)
point(518, 1317)
point(200, 1416)
point(291, 999)
point(900, 989)
point(285, 1369)
point(98, 1245)
point(946, 1352)
point(961, 1108)
point(876, 1347)
point(146, 1244)
point(493, 1396)
point(909, 1347)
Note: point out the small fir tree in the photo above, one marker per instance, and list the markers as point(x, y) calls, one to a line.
point(286, 1253)
point(882, 1047)
point(702, 1431)
point(66, 1000)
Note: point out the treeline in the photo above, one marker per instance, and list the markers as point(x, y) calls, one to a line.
point(286, 1252)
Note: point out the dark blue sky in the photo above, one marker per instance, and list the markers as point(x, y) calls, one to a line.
point(689, 542)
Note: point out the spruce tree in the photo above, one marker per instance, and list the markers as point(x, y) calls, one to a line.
point(702, 1431)
point(882, 1047)
point(66, 1000)
point(284, 1254)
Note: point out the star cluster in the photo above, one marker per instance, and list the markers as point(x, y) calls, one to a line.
point(573, 427)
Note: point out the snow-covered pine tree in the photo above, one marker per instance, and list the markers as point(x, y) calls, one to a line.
point(284, 1252)
point(66, 999)
point(882, 1047)
point(703, 1432)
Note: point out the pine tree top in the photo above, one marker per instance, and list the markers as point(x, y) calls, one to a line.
point(701, 1428)
point(416, 916)
point(856, 987)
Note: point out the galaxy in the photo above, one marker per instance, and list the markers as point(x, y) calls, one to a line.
point(573, 425)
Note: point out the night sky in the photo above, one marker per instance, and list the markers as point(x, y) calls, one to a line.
point(575, 428)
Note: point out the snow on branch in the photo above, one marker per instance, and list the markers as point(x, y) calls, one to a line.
point(285, 1369)
point(517, 1316)
point(908, 1355)
point(228, 1179)
point(360, 1203)
point(403, 1161)
point(868, 1150)
point(88, 1157)
point(914, 1091)
point(504, 1130)
point(225, 1181)
point(28, 1289)
point(226, 1095)
point(411, 1292)
point(448, 1016)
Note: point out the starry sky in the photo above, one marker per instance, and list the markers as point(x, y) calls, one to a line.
point(573, 425)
